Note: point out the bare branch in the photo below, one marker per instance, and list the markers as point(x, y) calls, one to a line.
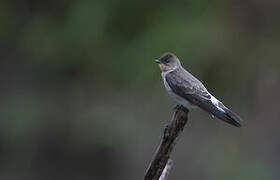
point(168, 141)
point(166, 170)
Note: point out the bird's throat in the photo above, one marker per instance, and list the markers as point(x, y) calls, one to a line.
point(165, 68)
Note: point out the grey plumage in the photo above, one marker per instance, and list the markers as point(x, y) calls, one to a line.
point(187, 90)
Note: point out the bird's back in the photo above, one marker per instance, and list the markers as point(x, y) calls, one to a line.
point(192, 81)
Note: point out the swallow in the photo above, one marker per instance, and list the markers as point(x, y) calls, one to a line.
point(189, 92)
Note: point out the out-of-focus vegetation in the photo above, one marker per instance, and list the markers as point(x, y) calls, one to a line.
point(82, 99)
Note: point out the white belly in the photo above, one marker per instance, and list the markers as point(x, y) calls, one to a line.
point(177, 98)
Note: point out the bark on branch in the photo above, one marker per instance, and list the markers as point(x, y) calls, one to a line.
point(168, 141)
point(166, 170)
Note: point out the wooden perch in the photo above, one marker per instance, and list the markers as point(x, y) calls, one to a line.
point(168, 141)
point(166, 170)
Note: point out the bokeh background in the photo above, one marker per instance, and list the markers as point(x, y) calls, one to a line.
point(81, 98)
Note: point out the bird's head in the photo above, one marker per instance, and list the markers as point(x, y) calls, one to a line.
point(167, 62)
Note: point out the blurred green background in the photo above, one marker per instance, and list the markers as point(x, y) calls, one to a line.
point(81, 97)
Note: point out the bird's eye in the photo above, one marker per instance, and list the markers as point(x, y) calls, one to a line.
point(167, 60)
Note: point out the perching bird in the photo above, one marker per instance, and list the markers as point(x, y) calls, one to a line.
point(190, 92)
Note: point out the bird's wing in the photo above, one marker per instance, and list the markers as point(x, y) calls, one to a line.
point(188, 87)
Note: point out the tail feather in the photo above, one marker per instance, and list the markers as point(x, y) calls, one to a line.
point(222, 112)
point(216, 108)
point(231, 117)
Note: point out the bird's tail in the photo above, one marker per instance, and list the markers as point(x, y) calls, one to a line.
point(231, 117)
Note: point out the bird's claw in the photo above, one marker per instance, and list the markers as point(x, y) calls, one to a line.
point(178, 106)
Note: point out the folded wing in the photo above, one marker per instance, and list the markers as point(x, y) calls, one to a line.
point(188, 87)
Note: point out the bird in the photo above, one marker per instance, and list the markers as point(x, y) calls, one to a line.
point(189, 92)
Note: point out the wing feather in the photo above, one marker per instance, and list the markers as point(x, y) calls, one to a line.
point(188, 87)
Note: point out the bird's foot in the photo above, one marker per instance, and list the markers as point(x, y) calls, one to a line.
point(178, 106)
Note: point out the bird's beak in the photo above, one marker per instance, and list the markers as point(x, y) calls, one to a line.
point(157, 61)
